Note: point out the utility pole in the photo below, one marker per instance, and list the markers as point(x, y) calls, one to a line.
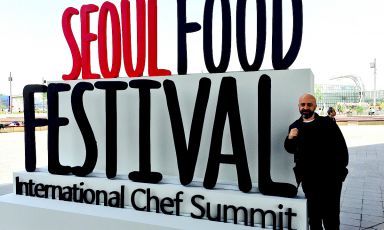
point(373, 65)
point(10, 92)
point(44, 94)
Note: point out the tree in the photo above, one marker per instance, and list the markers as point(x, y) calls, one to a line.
point(359, 109)
point(319, 93)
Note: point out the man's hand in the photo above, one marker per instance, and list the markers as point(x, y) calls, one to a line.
point(293, 133)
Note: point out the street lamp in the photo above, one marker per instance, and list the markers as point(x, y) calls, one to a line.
point(10, 91)
point(373, 65)
point(44, 82)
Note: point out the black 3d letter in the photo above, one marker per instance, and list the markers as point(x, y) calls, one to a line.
point(30, 122)
point(145, 174)
point(187, 155)
point(182, 29)
point(261, 35)
point(278, 61)
point(225, 37)
point(228, 104)
point(85, 129)
point(54, 123)
point(266, 185)
point(110, 88)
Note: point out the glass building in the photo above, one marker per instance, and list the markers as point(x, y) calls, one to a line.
point(328, 95)
point(4, 103)
point(368, 96)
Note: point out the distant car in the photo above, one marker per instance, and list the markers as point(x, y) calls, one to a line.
point(14, 124)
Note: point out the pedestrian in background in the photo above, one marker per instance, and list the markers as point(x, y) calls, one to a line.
point(331, 114)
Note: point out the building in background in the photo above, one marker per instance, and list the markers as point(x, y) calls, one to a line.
point(4, 103)
point(379, 96)
point(18, 103)
point(331, 95)
point(347, 94)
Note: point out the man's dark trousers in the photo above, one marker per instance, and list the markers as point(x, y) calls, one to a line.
point(323, 200)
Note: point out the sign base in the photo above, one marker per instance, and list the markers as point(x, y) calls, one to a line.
point(21, 212)
point(33, 205)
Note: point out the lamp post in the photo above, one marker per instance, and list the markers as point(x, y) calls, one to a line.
point(10, 91)
point(373, 65)
point(44, 82)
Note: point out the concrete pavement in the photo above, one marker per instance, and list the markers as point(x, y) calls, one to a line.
point(362, 196)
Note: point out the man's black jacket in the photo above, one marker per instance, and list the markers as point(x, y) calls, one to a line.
point(320, 150)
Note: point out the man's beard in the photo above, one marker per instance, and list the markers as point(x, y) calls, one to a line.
point(306, 113)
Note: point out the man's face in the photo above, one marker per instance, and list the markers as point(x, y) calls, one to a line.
point(307, 106)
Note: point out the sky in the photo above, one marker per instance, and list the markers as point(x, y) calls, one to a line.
point(340, 37)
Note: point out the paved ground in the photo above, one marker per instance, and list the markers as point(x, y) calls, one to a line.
point(363, 191)
point(12, 156)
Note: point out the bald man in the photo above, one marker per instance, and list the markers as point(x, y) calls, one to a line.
point(321, 157)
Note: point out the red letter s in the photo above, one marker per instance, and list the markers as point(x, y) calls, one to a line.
point(76, 56)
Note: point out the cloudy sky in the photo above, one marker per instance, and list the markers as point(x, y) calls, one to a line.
point(340, 37)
